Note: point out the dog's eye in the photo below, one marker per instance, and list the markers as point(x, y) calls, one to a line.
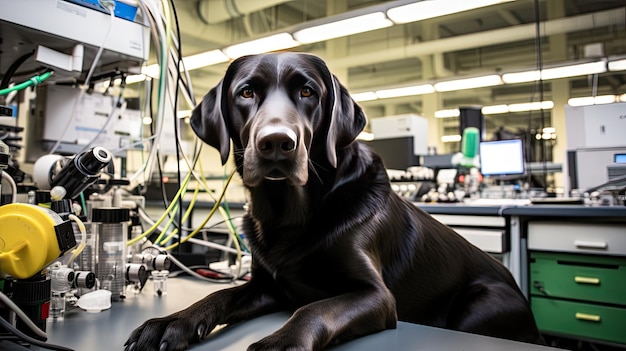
point(247, 92)
point(306, 92)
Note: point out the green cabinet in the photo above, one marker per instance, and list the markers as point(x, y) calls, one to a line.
point(580, 319)
point(580, 277)
point(579, 295)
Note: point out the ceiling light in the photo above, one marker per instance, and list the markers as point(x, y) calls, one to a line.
point(469, 83)
point(272, 43)
point(531, 106)
point(582, 69)
point(447, 113)
point(204, 59)
point(618, 65)
point(622, 98)
point(430, 9)
point(592, 100)
point(494, 109)
point(365, 96)
point(450, 138)
point(405, 91)
point(549, 130)
point(343, 28)
point(521, 77)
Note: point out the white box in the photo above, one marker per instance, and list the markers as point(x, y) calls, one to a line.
point(595, 126)
point(403, 126)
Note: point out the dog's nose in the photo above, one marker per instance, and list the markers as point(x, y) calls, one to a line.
point(276, 142)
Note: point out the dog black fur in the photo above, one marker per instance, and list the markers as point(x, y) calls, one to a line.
point(330, 240)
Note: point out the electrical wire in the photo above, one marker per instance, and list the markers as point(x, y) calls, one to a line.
point(35, 80)
point(22, 315)
point(208, 217)
point(6, 79)
point(83, 238)
point(201, 277)
point(109, 5)
point(8, 326)
point(6, 176)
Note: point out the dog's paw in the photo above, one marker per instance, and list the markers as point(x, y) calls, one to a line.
point(165, 334)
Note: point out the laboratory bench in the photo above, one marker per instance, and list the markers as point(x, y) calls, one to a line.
point(109, 329)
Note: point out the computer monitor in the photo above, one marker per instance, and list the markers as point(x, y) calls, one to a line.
point(397, 153)
point(502, 157)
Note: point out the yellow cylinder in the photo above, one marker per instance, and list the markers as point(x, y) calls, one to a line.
point(28, 239)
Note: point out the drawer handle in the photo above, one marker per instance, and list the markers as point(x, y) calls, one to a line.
point(587, 317)
point(587, 280)
point(590, 244)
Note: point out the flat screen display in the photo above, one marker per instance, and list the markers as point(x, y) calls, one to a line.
point(620, 158)
point(502, 157)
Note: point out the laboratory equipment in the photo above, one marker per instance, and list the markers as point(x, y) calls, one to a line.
point(68, 177)
point(502, 157)
point(111, 227)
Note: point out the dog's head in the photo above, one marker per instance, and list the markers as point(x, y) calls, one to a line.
point(284, 113)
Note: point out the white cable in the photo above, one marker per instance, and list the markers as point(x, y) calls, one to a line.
point(6, 176)
point(205, 243)
point(146, 7)
point(18, 311)
point(110, 5)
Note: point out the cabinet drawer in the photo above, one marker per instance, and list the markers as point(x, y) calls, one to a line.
point(488, 240)
point(579, 319)
point(581, 277)
point(577, 237)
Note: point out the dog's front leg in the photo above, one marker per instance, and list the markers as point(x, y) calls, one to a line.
point(178, 330)
point(337, 319)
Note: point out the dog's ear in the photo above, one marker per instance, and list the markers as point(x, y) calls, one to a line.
point(347, 120)
point(207, 121)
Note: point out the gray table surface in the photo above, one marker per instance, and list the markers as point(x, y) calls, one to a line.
point(109, 329)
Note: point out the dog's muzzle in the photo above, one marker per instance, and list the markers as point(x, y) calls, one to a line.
point(276, 143)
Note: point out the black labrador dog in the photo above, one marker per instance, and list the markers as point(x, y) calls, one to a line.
point(330, 240)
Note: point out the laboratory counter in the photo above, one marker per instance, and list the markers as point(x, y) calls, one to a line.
point(109, 329)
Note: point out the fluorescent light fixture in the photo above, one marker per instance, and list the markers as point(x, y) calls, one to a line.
point(521, 77)
point(622, 98)
point(531, 106)
point(447, 113)
point(367, 136)
point(582, 69)
point(618, 65)
point(450, 138)
point(364, 96)
point(204, 59)
point(271, 43)
point(592, 100)
point(434, 8)
point(494, 109)
point(469, 83)
point(342, 28)
point(405, 91)
point(549, 130)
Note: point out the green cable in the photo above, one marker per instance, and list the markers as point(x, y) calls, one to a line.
point(36, 80)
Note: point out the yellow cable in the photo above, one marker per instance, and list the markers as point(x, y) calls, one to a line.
point(83, 243)
point(162, 218)
point(208, 217)
point(185, 216)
